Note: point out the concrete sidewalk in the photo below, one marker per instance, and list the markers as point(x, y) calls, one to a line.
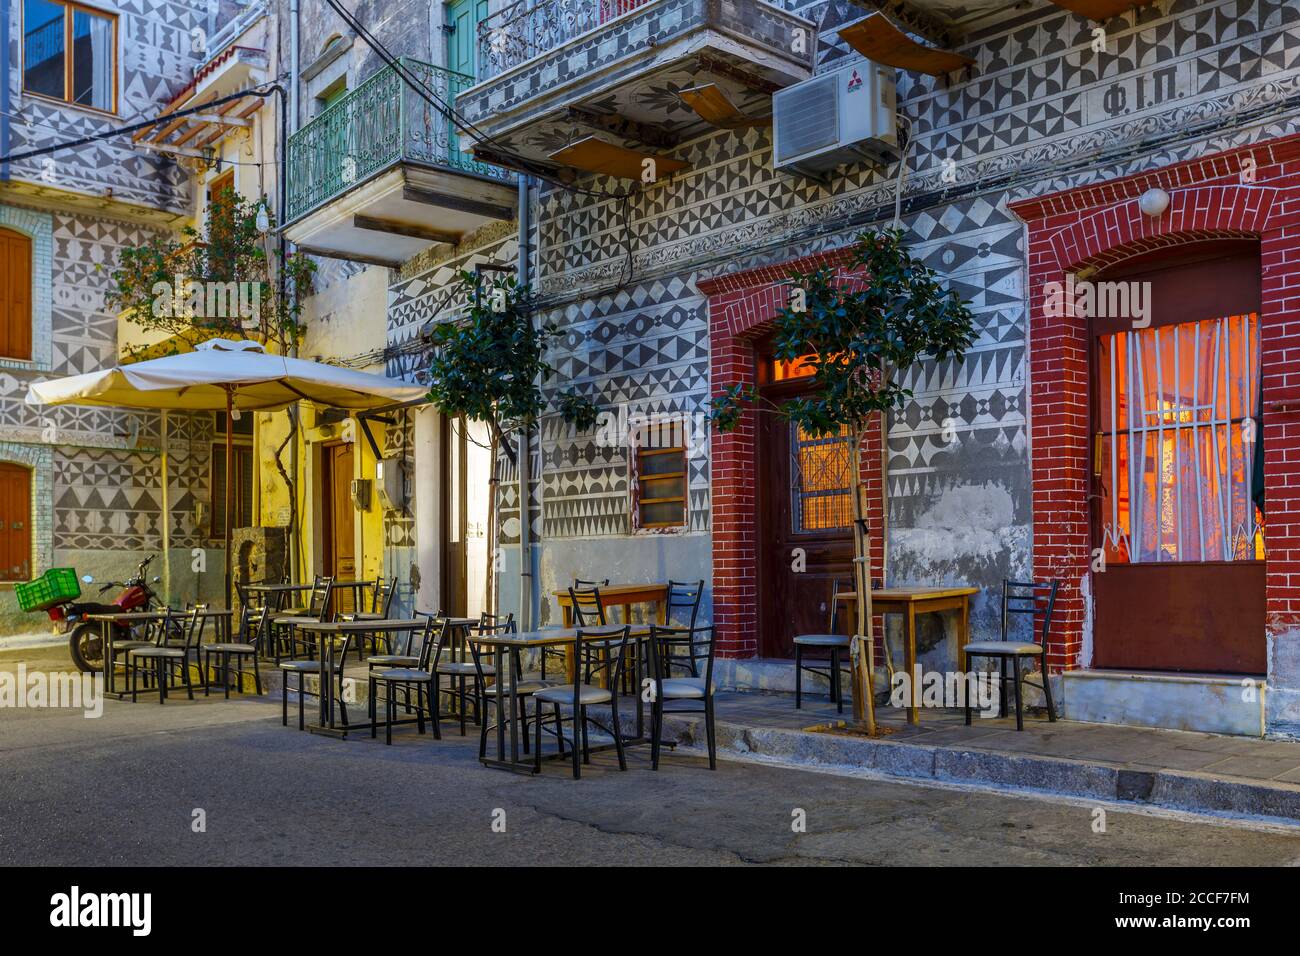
point(1168, 768)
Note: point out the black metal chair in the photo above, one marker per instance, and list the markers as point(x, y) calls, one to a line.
point(304, 667)
point(460, 663)
point(381, 602)
point(589, 614)
point(836, 644)
point(1028, 598)
point(165, 654)
point(317, 608)
point(252, 625)
point(595, 654)
point(524, 687)
point(684, 598)
point(423, 678)
point(672, 647)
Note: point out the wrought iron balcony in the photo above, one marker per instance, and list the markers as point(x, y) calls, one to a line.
point(379, 175)
point(637, 75)
point(380, 123)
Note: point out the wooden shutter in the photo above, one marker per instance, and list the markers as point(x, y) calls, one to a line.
point(15, 295)
point(15, 522)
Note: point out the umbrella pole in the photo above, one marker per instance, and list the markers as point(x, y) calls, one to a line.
point(230, 427)
point(166, 518)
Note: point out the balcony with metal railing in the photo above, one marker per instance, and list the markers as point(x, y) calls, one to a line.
point(380, 175)
point(603, 85)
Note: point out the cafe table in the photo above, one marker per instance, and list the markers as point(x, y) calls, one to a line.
point(511, 645)
point(909, 602)
point(616, 595)
point(347, 629)
point(128, 618)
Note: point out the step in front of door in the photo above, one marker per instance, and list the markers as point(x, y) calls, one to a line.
point(1201, 703)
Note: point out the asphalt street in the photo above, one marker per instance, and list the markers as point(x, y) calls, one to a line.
point(216, 783)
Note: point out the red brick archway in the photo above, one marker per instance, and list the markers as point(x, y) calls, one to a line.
point(742, 307)
point(1250, 191)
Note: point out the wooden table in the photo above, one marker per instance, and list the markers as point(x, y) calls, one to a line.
point(513, 644)
point(279, 591)
point(909, 602)
point(128, 618)
point(624, 596)
point(327, 725)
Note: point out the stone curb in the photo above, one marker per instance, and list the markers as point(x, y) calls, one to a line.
point(1097, 780)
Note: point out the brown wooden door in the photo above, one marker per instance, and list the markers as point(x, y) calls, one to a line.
point(1177, 493)
point(340, 518)
point(15, 295)
point(15, 522)
point(804, 514)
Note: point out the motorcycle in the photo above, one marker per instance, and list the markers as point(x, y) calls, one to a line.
point(86, 638)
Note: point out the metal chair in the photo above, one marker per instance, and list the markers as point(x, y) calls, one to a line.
point(496, 624)
point(162, 656)
point(835, 643)
point(381, 601)
point(423, 678)
point(590, 613)
point(252, 625)
point(684, 597)
point(304, 667)
point(318, 607)
point(595, 654)
point(1019, 597)
point(672, 647)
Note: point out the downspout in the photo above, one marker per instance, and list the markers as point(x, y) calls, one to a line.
point(4, 88)
point(289, 124)
point(525, 463)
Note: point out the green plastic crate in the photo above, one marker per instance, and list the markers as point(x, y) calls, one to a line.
point(51, 588)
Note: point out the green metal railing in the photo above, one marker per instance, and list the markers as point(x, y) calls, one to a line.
point(381, 122)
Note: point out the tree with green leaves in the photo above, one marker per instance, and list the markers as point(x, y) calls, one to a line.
point(489, 365)
point(223, 279)
point(857, 328)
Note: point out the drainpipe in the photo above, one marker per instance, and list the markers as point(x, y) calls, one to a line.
point(4, 88)
point(525, 464)
point(289, 124)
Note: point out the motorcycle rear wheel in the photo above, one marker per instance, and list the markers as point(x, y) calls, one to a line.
point(86, 643)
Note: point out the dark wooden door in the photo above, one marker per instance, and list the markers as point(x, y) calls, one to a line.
point(805, 537)
point(1177, 489)
point(15, 522)
point(340, 518)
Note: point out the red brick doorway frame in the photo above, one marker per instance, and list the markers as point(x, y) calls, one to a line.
point(1246, 192)
point(742, 309)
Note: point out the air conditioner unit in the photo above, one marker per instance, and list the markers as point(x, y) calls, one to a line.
point(844, 116)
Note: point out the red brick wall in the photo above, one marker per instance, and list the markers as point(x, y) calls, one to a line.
point(1249, 191)
point(742, 307)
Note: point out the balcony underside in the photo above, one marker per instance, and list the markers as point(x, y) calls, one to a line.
point(622, 82)
point(401, 212)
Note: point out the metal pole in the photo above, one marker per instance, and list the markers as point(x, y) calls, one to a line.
point(166, 517)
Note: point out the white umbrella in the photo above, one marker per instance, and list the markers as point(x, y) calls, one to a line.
point(221, 374)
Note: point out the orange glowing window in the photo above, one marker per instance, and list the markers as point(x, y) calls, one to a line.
point(1177, 445)
point(820, 480)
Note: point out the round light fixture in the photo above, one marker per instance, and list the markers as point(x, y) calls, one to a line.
point(1153, 203)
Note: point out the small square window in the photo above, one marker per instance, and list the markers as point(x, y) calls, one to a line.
point(659, 476)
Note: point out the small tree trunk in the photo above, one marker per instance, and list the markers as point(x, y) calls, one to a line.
point(862, 653)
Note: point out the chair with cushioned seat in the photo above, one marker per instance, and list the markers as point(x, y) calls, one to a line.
point(423, 678)
point(1019, 597)
point(598, 653)
point(675, 647)
point(305, 667)
point(524, 687)
point(832, 642)
point(252, 625)
point(164, 655)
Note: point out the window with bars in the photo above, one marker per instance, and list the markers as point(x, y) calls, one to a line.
point(821, 491)
point(1177, 449)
